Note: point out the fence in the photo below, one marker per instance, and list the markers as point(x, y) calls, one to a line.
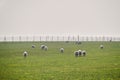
point(58, 38)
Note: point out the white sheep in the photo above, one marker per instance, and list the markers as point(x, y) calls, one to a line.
point(83, 52)
point(33, 46)
point(25, 54)
point(61, 50)
point(76, 53)
point(45, 48)
point(101, 46)
point(42, 47)
point(79, 52)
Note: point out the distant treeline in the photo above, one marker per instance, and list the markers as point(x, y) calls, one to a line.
point(58, 38)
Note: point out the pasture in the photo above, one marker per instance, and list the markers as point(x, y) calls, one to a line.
point(98, 64)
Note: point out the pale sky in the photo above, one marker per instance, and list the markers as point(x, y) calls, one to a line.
point(60, 17)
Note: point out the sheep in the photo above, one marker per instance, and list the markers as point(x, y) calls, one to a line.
point(33, 46)
point(79, 52)
point(101, 46)
point(76, 53)
point(45, 48)
point(83, 52)
point(42, 47)
point(78, 42)
point(25, 54)
point(66, 41)
point(61, 50)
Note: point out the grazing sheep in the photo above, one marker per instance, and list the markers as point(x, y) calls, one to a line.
point(61, 50)
point(76, 53)
point(78, 42)
point(45, 48)
point(66, 41)
point(25, 54)
point(33, 46)
point(83, 52)
point(101, 46)
point(42, 47)
point(79, 52)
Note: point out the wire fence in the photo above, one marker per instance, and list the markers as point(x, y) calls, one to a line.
point(57, 38)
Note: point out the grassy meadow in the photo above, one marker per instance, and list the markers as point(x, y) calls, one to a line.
point(98, 64)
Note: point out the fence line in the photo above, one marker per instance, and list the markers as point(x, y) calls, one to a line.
point(58, 38)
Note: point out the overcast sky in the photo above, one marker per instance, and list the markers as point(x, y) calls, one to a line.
point(60, 17)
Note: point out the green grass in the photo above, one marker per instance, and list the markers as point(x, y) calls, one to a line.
point(98, 64)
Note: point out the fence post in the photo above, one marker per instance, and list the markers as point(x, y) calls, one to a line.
point(73, 38)
point(78, 38)
point(26, 38)
point(63, 38)
point(40, 38)
point(86, 38)
point(52, 38)
point(19, 38)
point(33, 38)
point(4, 38)
point(46, 38)
point(12, 38)
point(57, 38)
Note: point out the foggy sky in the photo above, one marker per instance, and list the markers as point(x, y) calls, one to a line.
point(60, 17)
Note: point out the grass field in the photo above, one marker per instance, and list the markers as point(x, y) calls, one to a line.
point(98, 64)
